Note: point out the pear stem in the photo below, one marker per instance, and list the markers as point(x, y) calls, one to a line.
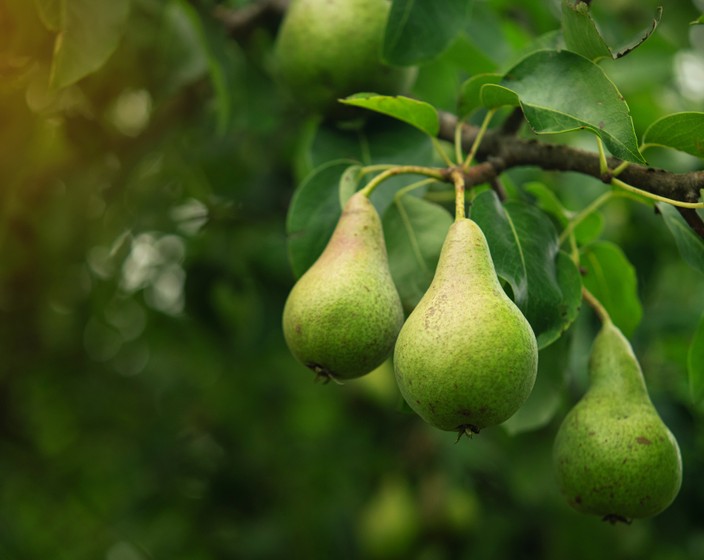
point(597, 306)
point(458, 141)
point(400, 170)
point(458, 180)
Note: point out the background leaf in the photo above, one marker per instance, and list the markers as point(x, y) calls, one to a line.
point(681, 131)
point(90, 32)
point(690, 245)
point(695, 364)
point(548, 392)
point(470, 95)
point(312, 215)
point(349, 183)
point(416, 113)
point(523, 242)
point(50, 13)
point(580, 32)
point(415, 230)
point(612, 279)
point(419, 31)
point(561, 91)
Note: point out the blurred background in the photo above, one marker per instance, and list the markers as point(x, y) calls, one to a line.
point(149, 408)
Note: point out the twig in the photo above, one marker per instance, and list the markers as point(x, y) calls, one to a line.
point(501, 152)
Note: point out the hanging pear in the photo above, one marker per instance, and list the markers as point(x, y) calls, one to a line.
point(343, 315)
point(466, 358)
point(613, 454)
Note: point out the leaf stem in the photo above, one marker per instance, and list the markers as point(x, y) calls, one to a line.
point(599, 309)
point(439, 149)
point(478, 139)
point(582, 215)
point(413, 186)
point(621, 167)
point(625, 186)
point(400, 170)
point(603, 164)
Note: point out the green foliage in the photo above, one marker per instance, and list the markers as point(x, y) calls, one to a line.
point(612, 279)
point(690, 245)
point(416, 113)
point(545, 283)
point(560, 91)
point(681, 131)
point(160, 193)
point(419, 31)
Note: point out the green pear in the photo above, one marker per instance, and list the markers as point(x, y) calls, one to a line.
point(329, 49)
point(466, 358)
point(613, 454)
point(343, 315)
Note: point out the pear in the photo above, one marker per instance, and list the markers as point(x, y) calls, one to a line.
point(329, 49)
point(342, 317)
point(613, 454)
point(466, 358)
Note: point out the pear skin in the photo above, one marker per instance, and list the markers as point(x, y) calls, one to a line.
point(466, 358)
point(329, 49)
point(613, 454)
point(342, 317)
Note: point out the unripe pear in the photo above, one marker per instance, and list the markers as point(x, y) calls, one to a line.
point(342, 317)
point(613, 454)
point(329, 49)
point(466, 358)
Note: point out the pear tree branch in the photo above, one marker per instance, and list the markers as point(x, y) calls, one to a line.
point(501, 150)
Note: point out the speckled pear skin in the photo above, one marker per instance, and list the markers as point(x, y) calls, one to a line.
point(613, 454)
point(342, 317)
point(466, 358)
point(328, 49)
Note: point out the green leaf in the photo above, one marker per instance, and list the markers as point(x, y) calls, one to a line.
point(695, 364)
point(698, 21)
point(612, 279)
point(313, 213)
point(493, 96)
point(560, 91)
point(589, 229)
point(90, 32)
point(580, 32)
point(50, 13)
point(416, 113)
point(547, 394)
point(470, 94)
point(546, 284)
point(547, 201)
point(644, 37)
point(419, 31)
point(681, 131)
point(221, 60)
point(415, 230)
point(690, 245)
point(382, 141)
point(582, 36)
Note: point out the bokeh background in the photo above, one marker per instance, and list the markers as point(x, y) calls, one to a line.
point(148, 406)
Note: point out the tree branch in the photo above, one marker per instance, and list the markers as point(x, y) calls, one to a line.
point(501, 151)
